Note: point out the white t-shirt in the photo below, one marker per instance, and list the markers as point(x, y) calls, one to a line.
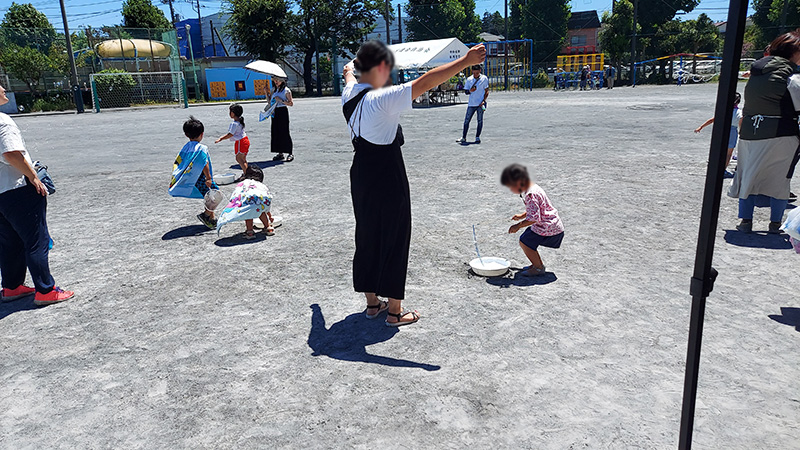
point(237, 130)
point(737, 116)
point(481, 85)
point(377, 116)
point(11, 141)
point(794, 90)
point(283, 95)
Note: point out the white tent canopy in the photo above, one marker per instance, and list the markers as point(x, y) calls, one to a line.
point(427, 54)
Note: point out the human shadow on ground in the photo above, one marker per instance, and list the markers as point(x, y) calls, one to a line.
point(238, 239)
point(185, 231)
point(23, 304)
point(788, 316)
point(758, 240)
point(516, 278)
point(347, 340)
point(260, 164)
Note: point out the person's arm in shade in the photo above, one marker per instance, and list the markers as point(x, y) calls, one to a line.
point(485, 94)
point(207, 173)
point(226, 136)
point(17, 161)
point(289, 101)
point(518, 226)
point(439, 75)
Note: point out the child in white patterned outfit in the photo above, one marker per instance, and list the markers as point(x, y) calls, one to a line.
point(544, 226)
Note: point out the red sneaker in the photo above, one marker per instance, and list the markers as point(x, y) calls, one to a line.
point(55, 296)
point(9, 295)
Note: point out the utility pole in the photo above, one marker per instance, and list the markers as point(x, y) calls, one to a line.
point(388, 17)
point(76, 90)
point(633, 39)
point(200, 24)
point(400, 23)
point(783, 16)
point(171, 13)
point(505, 46)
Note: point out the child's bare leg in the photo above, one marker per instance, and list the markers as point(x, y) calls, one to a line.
point(241, 158)
point(249, 225)
point(533, 256)
point(728, 160)
point(266, 219)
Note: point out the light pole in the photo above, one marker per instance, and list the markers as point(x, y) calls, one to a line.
point(197, 95)
point(76, 90)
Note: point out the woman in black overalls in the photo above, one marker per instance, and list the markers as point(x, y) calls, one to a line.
point(379, 186)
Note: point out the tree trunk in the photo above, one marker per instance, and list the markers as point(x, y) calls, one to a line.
point(308, 79)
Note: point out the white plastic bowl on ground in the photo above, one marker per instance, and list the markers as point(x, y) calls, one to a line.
point(489, 266)
point(225, 178)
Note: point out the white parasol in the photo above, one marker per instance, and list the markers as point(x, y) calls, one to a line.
point(267, 68)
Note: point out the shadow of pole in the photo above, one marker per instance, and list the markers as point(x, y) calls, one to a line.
point(347, 340)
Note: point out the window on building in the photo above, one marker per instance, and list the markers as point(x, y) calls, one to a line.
point(578, 40)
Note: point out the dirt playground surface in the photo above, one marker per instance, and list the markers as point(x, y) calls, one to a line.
point(182, 338)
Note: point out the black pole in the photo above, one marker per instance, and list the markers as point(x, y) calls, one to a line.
point(76, 90)
point(200, 25)
point(388, 16)
point(633, 40)
point(399, 24)
point(704, 274)
point(171, 13)
point(213, 43)
point(505, 46)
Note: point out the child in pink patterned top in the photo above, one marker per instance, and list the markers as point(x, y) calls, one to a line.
point(543, 224)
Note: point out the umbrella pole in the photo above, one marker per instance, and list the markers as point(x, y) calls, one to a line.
point(704, 274)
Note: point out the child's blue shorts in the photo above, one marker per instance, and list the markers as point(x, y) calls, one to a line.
point(733, 137)
point(533, 240)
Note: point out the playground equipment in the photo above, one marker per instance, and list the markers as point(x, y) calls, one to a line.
point(701, 71)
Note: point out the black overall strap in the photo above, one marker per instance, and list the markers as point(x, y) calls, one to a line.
point(350, 106)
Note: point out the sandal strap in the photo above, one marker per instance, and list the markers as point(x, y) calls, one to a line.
point(379, 305)
point(403, 313)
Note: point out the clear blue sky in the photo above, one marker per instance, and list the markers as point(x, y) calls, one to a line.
point(107, 12)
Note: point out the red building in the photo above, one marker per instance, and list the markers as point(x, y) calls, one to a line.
point(582, 34)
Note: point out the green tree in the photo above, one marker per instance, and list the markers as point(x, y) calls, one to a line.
point(143, 14)
point(24, 25)
point(699, 35)
point(493, 23)
point(769, 21)
point(615, 36)
point(515, 19)
point(655, 13)
point(438, 19)
point(319, 22)
point(260, 28)
point(545, 21)
point(26, 64)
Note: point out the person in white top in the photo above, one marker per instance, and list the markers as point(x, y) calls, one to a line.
point(241, 143)
point(24, 239)
point(733, 135)
point(281, 139)
point(478, 87)
point(378, 181)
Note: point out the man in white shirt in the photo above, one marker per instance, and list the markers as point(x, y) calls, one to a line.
point(478, 87)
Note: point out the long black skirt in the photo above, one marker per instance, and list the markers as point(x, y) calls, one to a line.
point(281, 139)
point(382, 205)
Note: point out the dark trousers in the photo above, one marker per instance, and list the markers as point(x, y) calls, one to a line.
point(471, 110)
point(24, 240)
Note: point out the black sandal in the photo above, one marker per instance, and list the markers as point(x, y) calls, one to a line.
point(400, 316)
point(381, 307)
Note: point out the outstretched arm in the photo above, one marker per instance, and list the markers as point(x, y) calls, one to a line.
point(439, 75)
point(705, 124)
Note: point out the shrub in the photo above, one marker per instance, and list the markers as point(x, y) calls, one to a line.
point(114, 91)
point(54, 103)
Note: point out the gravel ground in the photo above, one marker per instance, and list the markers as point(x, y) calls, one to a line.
point(181, 338)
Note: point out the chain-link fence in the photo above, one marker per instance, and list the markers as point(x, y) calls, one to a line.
point(36, 65)
point(125, 89)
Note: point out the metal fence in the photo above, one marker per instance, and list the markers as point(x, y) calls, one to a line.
point(122, 90)
point(509, 65)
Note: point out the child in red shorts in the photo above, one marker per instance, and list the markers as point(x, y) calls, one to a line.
point(241, 144)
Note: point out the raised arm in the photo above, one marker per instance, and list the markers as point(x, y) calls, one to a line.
point(348, 74)
point(439, 75)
